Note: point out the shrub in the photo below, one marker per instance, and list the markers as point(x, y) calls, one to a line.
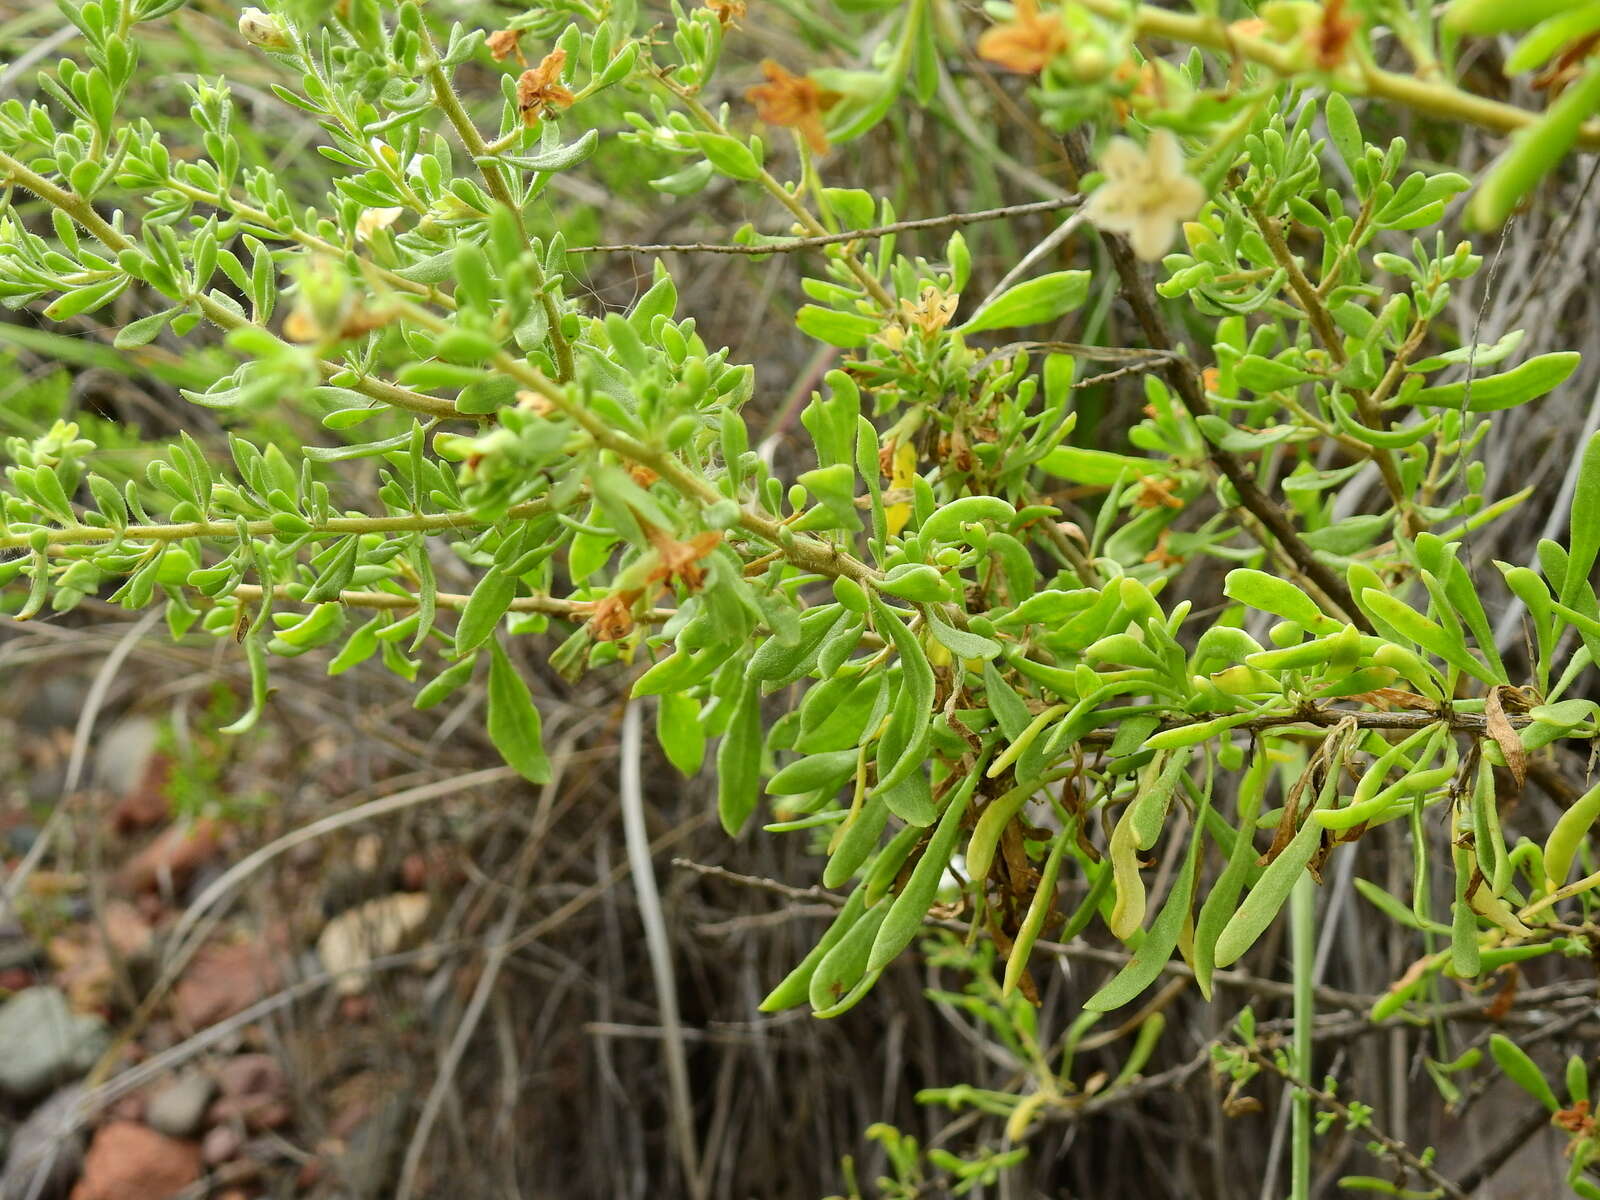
point(968, 654)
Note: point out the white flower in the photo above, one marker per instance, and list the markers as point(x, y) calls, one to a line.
point(373, 219)
point(1146, 194)
point(263, 30)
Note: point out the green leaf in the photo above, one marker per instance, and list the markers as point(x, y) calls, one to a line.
point(679, 731)
point(1515, 1064)
point(911, 906)
point(1269, 374)
point(487, 604)
point(1270, 594)
point(1099, 468)
point(1517, 386)
point(1156, 949)
point(1431, 636)
point(1534, 151)
point(513, 721)
point(739, 760)
point(1343, 129)
point(913, 708)
point(960, 642)
point(845, 330)
point(1584, 525)
point(1035, 302)
point(143, 331)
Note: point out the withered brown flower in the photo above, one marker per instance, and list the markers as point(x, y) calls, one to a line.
point(539, 88)
point(794, 101)
point(1156, 493)
point(680, 561)
point(729, 12)
point(612, 619)
point(503, 43)
point(1025, 44)
point(1330, 38)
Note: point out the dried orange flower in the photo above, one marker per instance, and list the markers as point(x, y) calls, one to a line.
point(612, 619)
point(681, 560)
point(1575, 1120)
point(503, 43)
point(729, 12)
point(1161, 555)
point(539, 89)
point(1331, 36)
point(793, 101)
point(1027, 42)
point(1156, 493)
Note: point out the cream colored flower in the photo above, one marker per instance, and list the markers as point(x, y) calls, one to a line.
point(373, 219)
point(263, 30)
point(1146, 194)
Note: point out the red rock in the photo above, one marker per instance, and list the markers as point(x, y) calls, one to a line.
point(253, 1093)
point(131, 1162)
point(250, 1075)
point(129, 1108)
point(83, 965)
point(14, 979)
point(223, 979)
point(220, 1145)
point(147, 803)
point(174, 855)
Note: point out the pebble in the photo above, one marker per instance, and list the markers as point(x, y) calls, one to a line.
point(45, 1142)
point(178, 1108)
point(43, 1042)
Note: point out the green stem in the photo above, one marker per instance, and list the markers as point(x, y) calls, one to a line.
point(472, 139)
point(114, 240)
point(228, 202)
point(1437, 99)
point(332, 527)
point(1303, 937)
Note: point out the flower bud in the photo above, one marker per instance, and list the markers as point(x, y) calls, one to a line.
point(263, 30)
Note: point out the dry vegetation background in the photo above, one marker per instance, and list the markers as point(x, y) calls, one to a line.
point(512, 1045)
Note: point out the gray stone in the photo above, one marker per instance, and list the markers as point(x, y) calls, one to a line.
point(179, 1107)
point(43, 1042)
point(124, 754)
point(46, 1150)
point(17, 949)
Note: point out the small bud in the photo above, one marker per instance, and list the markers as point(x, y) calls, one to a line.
point(263, 30)
point(1089, 64)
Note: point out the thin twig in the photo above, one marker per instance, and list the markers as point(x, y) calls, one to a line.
point(788, 246)
point(1396, 1150)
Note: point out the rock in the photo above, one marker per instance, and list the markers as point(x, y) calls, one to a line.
point(43, 1042)
point(178, 1108)
point(17, 949)
point(254, 1093)
point(379, 927)
point(123, 757)
point(46, 1150)
point(20, 838)
point(132, 1162)
point(220, 1145)
point(172, 857)
point(250, 1075)
point(81, 959)
point(366, 1166)
point(223, 979)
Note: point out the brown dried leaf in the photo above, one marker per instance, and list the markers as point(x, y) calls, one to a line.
point(1505, 736)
